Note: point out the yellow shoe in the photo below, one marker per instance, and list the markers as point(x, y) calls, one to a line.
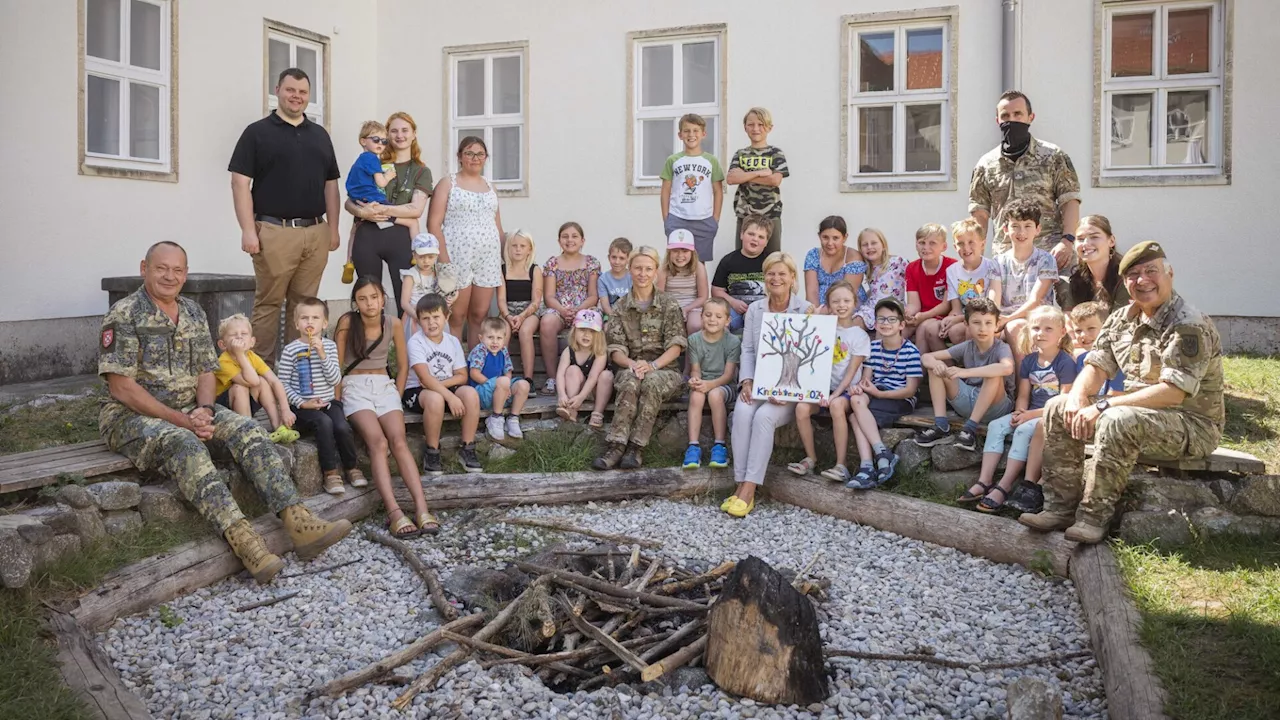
point(724, 506)
point(284, 435)
point(348, 273)
point(739, 508)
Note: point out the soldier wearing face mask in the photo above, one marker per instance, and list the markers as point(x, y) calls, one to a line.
point(1025, 167)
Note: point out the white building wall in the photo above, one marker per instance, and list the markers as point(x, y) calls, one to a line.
point(62, 232)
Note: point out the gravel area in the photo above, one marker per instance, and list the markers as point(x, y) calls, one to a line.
point(199, 658)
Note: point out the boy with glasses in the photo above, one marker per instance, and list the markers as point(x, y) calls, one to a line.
point(367, 181)
point(884, 394)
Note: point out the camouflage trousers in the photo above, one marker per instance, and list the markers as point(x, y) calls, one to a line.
point(637, 402)
point(157, 446)
point(1092, 487)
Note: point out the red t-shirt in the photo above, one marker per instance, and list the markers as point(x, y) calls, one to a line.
point(931, 288)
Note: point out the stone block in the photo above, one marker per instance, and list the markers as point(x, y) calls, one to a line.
point(893, 436)
point(1223, 489)
point(1031, 698)
point(75, 496)
point(59, 547)
point(59, 518)
point(122, 522)
point(115, 494)
point(954, 482)
point(673, 435)
point(1258, 495)
point(1256, 526)
point(306, 469)
point(1156, 494)
point(162, 505)
point(498, 452)
point(948, 457)
point(89, 527)
point(1169, 528)
point(244, 493)
point(15, 559)
point(911, 456)
point(1213, 520)
point(36, 533)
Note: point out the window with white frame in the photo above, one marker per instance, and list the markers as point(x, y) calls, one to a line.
point(486, 96)
point(293, 48)
point(674, 75)
point(1162, 89)
point(899, 101)
point(127, 85)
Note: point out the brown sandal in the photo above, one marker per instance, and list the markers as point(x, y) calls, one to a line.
point(402, 527)
point(567, 414)
point(427, 523)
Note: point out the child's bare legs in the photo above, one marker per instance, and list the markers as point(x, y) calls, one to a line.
point(238, 396)
point(433, 410)
point(864, 446)
point(697, 400)
point(926, 337)
point(266, 397)
point(471, 414)
point(840, 426)
point(603, 391)
point(1035, 456)
point(992, 390)
point(371, 431)
point(393, 429)
point(942, 389)
point(528, 328)
point(573, 380)
point(1011, 332)
point(864, 423)
point(693, 320)
point(957, 334)
point(501, 391)
point(719, 416)
point(804, 425)
point(458, 316)
point(549, 327)
point(519, 394)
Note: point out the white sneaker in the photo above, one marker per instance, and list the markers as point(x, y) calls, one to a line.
point(493, 426)
point(513, 427)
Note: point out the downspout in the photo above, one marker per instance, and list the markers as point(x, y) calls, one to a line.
point(1009, 45)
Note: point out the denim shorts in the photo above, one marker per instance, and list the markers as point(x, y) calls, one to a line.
point(485, 392)
point(967, 395)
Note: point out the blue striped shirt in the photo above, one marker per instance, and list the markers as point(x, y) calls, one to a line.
point(325, 374)
point(891, 368)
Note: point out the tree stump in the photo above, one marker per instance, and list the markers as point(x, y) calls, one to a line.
point(763, 639)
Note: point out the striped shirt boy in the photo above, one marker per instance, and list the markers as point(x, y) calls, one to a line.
point(891, 368)
point(325, 375)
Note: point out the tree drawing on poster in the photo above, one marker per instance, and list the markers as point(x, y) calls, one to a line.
point(796, 350)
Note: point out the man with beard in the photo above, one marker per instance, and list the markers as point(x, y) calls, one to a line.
point(1025, 167)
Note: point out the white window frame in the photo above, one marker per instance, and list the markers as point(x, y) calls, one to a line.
point(489, 120)
point(1216, 170)
point(637, 114)
point(165, 167)
point(900, 98)
point(318, 101)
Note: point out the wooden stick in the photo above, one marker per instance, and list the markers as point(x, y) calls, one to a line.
point(629, 570)
point(675, 660)
point(563, 526)
point(428, 575)
point(318, 570)
point(672, 640)
point(680, 586)
point(268, 601)
point(646, 578)
point(429, 678)
point(805, 570)
point(607, 642)
point(356, 678)
point(577, 654)
point(962, 664)
point(509, 653)
point(606, 588)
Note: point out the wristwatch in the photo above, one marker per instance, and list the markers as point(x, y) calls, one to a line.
point(1068, 237)
point(1102, 405)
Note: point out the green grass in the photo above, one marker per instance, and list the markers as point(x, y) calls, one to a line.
point(60, 423)
point(30, 686)
point(566, 449)
point(1253, 406)
point(1211, 621)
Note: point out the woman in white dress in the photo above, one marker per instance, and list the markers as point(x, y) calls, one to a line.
point(464, 216)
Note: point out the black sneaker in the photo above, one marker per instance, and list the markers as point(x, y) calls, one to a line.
point(967, 440)
point(431, 464)
point(1018, 498)
point(1034, 498)
point(932, 436)
point(470, 462)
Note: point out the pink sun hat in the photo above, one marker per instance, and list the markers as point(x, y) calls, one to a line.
point(680, 239)
point(589, 319)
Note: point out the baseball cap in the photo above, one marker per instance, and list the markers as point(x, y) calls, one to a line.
point(680, 239)
point(589, 319)
point(426, 244)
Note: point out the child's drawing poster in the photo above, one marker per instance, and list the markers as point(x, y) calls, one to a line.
point(793, 361)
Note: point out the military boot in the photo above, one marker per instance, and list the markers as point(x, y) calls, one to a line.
point(1047, 521)
point(311, 535)
point(633, 458)
point(609, 460)
point(1086, 532)
point(252, 551)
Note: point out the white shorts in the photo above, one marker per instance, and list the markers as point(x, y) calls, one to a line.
point(476, 263)
point(369, 392)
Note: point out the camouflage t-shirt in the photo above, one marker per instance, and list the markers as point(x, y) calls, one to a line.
point(139, 341)
point(754, 199)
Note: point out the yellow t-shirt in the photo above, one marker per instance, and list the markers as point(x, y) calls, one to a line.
point(228, 368)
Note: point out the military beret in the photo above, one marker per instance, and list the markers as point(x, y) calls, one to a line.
point(1145, 251)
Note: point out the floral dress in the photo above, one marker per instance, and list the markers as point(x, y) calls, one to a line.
point(813, 261)
point(884, 281)
point(471, 236)
point(571, 285)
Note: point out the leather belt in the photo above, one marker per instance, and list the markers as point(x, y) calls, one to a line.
point(289, 222)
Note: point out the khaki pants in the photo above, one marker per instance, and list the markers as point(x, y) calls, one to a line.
point(288, 267)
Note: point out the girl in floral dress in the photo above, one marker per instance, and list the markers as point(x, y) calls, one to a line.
point(886, 276)
point(569, 286)
point(831, 262)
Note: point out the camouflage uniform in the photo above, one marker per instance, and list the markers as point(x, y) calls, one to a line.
point(139, 341)
point(1178, 346)
point(643, 335)
point(1044, 174)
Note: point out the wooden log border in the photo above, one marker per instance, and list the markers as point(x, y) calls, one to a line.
point(1133, 691)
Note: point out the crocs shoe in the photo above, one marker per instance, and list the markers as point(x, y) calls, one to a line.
point(692, 457)
point(719, 456)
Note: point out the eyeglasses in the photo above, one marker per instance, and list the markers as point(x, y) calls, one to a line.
point(888, 320)
point(475, 155)
point(376, 139)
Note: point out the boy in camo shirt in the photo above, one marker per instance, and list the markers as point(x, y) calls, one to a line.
point(758, 170)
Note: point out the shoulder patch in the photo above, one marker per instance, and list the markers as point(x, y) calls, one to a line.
point(1189, 343)
point(108, 340)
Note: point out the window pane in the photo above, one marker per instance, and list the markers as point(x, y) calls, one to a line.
point(699, 61)
point(102, 115)
point(307, 64)
point(1189, 41)
point(709, 142)
point(1131, 129)
point(657, 142)
point(506, 85)
point(875, 64)
point(924, 59)
point(277, 61)
point(470, 86)
point(506, 153)
point(875, 139)
point(1131, 43)
point(656, 68)
point(924, 138)
point(144, 35)
point(144, 121)
point(1188, 133)
point(102, 29)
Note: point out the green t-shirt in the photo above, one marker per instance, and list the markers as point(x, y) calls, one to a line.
point(753, 199)
point(410, 176)
point(712, 357)
point(691, 178)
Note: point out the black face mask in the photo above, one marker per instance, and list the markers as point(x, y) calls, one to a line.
point(1016, 139)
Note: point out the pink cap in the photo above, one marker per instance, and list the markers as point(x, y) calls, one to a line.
point(680, 239)
point(589, 319)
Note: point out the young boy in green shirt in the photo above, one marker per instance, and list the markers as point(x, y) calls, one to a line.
point(693, 189)
point(713, 356)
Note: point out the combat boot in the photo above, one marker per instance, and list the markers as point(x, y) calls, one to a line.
point(1047, 521)
point(633, 458)
point(311, 535)
point(252, 551)
point(1086, 532)
point(609, 460)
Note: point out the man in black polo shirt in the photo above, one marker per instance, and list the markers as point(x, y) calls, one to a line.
point(284, 183)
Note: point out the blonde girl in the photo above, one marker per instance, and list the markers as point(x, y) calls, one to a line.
point(684, 277)
point(520, 294)
point(570, 286)
point(419, 280)
point(886, 276)
point(1047, 370)
point(582, 372)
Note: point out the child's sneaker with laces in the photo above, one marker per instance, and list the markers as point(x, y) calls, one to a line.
point(470, 462)
point(493, 427)
point(967, 440)
point(431, 464)
point(719, 456)
point(513, 427)
point(692, 457)
point(932, 436)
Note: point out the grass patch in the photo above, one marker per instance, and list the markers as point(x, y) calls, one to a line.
point(30, 686)
point(569, 448)
point(60, 423)
point(1253, 406)
point(1211, 621)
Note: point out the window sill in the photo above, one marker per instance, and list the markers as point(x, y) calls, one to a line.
point(1121, 181)
point(644, 189)
point(513, 192)
point(158, 175)
point(897, 184)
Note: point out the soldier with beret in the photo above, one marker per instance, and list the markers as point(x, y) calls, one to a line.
point(1172, 407)
point(156, 355)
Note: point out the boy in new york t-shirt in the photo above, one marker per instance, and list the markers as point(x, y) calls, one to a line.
point(693, 189)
